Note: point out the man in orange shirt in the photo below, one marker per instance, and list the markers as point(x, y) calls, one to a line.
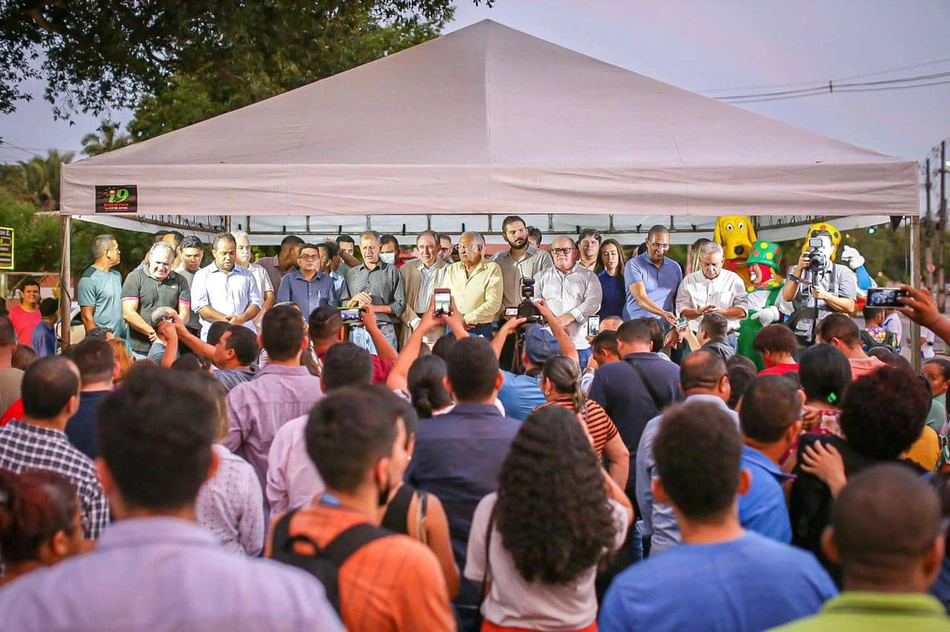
point(357, 440)
point(841, 332)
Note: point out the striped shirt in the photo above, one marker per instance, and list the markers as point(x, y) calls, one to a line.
point(29, 447)
point(384, 283)
point(599, 424)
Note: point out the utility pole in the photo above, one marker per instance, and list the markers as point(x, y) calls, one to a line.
point(928, 231)
point(942, 231)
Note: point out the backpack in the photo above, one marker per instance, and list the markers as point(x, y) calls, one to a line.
point(869, 341)
point(325, 563)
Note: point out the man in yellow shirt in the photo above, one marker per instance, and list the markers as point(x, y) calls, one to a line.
point(476, 285)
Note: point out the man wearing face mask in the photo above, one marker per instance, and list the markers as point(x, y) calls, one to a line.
point(356, 437)
point(146, 289)
point(712, 290)
point(389, 250)
point(380, 284)
point(825, 289)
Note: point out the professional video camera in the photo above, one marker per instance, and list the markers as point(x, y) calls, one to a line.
point(816, 258)
point(527, 308)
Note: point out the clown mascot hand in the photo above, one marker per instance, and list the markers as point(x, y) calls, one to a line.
point(767, 315)
point(853, 259)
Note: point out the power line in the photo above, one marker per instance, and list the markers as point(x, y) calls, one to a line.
point(899, 83)
point(817, 82)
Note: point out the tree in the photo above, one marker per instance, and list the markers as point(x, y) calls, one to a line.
point(106, 140)
point(42, 178)
point(112, 53)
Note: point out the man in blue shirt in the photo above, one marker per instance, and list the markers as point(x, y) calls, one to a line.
point(771, 419)
point(721, 577)
point(308, 287)
point(44, 336)
point(520, 394)
point(458, 455)
point(652, 279)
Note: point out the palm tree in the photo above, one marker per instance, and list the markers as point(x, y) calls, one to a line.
point(107, 139)
point(42, 177)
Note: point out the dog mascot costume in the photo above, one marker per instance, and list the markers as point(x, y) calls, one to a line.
point(765, 296)
point(736, 235)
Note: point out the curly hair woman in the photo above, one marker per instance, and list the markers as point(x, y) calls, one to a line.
point(536, 543)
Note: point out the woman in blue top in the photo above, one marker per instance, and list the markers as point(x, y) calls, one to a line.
point(609, 270)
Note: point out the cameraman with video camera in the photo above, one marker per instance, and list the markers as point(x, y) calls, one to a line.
point(520, 394)
point(817, 287)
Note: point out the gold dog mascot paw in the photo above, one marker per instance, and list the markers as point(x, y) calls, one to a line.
point(736, 235)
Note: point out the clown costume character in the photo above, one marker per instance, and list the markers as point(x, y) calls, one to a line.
point(766, 304)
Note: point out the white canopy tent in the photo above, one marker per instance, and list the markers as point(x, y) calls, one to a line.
point(481, 123)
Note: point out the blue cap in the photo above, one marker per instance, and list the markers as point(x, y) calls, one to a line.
point(540, 344)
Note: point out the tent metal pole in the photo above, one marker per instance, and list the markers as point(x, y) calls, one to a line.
point(65, 280)
point(914, 257)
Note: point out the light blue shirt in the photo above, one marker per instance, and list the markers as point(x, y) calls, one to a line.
point(230, 294)
point(660, 284)
point(520, 394)
point(308, 295)
point(658, 518)
point(747, 584)
point(160, 574)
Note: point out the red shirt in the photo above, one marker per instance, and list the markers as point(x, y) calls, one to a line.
point(381, 368)
point(779, 369)
point(24, 323)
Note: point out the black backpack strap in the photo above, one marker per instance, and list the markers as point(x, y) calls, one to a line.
point(349, 541)
point(646, 382)
point(282, 531)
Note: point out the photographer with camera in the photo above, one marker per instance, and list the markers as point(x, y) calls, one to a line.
point(521, 394)
point(817, 287)
point(572, 293)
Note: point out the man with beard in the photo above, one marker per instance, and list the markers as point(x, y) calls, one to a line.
point(264, 284)
point(224, 291)
point(147, 289)
point(588, 243)
point(419, 278)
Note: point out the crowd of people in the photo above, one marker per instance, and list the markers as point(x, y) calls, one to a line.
point(554, 439)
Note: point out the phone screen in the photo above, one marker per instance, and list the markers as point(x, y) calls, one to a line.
point(350, 315)
point(593, 325)
point(443, 302)
point(885, 297)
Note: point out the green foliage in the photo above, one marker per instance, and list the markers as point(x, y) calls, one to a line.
point(107, 139)
point(41, 177)
point(106, 54)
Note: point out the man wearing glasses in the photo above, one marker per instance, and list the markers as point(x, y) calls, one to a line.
point(445, 248)
point(419, 276)
point(712, 290)
point(308, 286)
point(572, 293)
point(476, 285)
point(652, 280)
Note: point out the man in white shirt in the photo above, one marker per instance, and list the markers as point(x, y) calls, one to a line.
point(225, 291)
point(264, 284)
point(572, 293)
point(712, 290)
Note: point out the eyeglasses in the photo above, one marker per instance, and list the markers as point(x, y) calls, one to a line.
point(309, 257)
point(657, 246)
point(562, 251)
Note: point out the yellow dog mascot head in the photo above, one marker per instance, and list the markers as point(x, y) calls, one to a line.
point(736, 235)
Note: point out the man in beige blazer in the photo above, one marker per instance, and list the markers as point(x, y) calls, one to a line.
point(419, 276)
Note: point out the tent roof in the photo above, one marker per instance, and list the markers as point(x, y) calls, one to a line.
point(491, 120)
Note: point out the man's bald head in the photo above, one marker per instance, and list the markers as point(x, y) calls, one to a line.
point(702, 371)
point(885, 522)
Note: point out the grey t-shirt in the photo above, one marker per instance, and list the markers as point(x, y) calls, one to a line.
point(514, 602)
point(838, 281)
point(151, 294)
point(10, 381)
point(103, 292)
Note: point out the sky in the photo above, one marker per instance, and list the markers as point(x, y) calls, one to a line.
point(714, 47)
